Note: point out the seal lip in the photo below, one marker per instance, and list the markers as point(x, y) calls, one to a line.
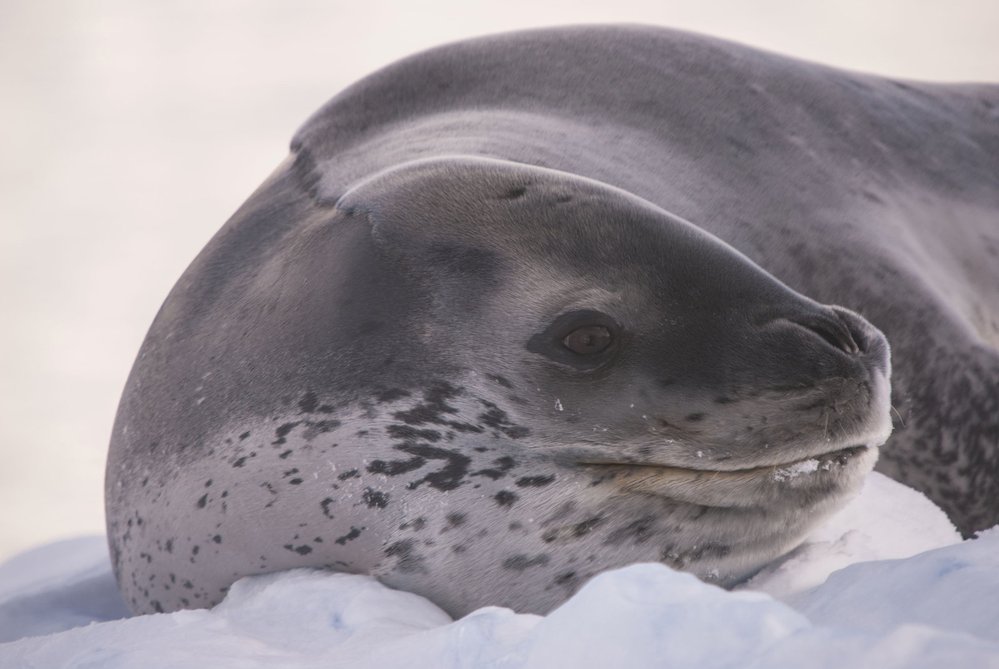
point(813, 481)
point(779, 471)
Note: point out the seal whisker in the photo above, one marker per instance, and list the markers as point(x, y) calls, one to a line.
point(899, 415)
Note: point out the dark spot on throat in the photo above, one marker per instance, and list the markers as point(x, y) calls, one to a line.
point(447, 478)
point(522, 562)
point(455, 519)
point(506, 498)
point(503, 465)
point(375, 499)
point(409, 433)
point(390, 395)
point(309, 402)
point(535, 481)
point(409, 561)
point(350, 536)
point(395, 467)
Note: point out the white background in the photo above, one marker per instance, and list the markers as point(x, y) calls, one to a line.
point(130, 130)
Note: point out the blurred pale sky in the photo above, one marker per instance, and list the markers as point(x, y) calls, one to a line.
point(131, 129)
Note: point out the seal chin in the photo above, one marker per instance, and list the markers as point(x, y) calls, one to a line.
point(815, 480)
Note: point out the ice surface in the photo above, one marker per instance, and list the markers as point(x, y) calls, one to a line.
point(903, 592)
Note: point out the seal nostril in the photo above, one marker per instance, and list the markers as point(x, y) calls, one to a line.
point(833, 330)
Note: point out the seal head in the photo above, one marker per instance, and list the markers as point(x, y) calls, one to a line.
point(484, 382)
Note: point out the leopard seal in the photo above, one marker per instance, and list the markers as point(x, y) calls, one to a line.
point(480, 335)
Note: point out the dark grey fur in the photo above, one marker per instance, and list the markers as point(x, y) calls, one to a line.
point(358, 371)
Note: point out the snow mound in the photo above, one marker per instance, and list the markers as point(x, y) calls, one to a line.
point(887, 520)
point(57, 587)
point(936, 608)
point(954, 588)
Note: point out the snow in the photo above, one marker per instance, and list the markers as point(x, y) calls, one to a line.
point(885, 583)
point(796, 470)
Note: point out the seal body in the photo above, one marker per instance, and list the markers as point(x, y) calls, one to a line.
point(480, 335)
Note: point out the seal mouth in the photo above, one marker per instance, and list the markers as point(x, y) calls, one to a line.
point(780, 471)
point(829, 474)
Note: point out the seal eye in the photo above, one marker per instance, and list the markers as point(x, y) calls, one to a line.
point(588, 340)
point(585, 339)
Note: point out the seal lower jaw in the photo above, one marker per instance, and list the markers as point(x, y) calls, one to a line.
point(809, 481)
